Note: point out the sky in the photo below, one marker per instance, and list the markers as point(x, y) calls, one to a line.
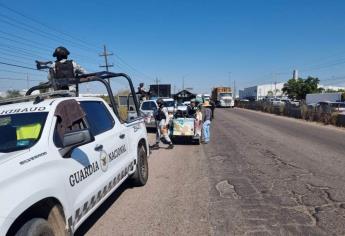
point(203, 43)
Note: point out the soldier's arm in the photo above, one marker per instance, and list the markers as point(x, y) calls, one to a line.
point(78, 69)
point(165, 110)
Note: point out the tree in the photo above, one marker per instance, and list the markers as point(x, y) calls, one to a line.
point(13, 93)
point(298, 89)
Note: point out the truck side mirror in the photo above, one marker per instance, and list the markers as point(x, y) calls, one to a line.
point(74, 139)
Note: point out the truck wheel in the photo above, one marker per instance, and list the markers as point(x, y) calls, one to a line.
point(141, 173)
point(35, 227)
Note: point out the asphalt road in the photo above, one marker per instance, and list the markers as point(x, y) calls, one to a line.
point(174, 201)
point(273, 175)
point(260, 175)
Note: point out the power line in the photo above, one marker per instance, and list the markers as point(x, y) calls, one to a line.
point(22, 50)
point(77, 41)
point(133, 68)
point(23, 43)
point(32, 29)
point(14, 60)
point(16, 56)
point(19, 66)
point(19, 72)
point(44, 25)
point(9, 78)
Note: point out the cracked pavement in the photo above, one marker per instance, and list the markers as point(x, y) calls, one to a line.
point(261, 174)
point(271, 175)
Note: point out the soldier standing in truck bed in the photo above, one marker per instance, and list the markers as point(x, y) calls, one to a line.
point(63, 68)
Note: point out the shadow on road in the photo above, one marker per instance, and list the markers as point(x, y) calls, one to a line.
point(151, 130)
point(184, 141)
point(95, 216)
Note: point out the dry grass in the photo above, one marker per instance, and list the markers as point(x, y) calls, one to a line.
point(301, 112)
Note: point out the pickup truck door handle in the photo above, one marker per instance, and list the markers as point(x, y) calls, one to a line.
point(122, 136)
point(99, 147)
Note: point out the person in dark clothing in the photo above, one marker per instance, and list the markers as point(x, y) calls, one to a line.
point(63, 68)
point(142, 92)
point(213, 106)
point(191, 109)
point(162, 123)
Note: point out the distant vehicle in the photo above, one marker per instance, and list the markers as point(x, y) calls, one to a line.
point(181, 106)
point(169, 103)
point(223, 97)
point(332, 106)
point(293, 102)
point(148, 108)
point(276, 102)
point(206, 96)
point(186, 103)
point(322, 97)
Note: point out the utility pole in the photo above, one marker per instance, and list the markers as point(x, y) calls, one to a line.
point(234, 93)
point(157, 83)
point(105, 54)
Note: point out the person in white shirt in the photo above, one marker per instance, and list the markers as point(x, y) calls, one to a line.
point(162, 124)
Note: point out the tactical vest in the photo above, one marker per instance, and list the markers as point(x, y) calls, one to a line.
point(160, 114)
point(64, 70)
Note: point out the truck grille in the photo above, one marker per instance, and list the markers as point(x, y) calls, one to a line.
point(227, 100)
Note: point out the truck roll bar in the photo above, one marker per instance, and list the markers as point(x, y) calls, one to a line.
point(101, 76)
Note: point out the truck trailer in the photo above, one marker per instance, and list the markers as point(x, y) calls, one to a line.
point(313, 98)
point(223, 97)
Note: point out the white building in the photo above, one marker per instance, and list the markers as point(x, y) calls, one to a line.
point(331, 87)
point(259, 92)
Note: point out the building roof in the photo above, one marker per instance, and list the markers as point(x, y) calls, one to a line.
point(184, 93)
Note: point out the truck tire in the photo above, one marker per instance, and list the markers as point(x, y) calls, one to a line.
point(141, 173)
point(35, 227)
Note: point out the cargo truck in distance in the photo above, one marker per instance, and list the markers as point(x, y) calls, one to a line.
point(313, 98)
point(223, 97)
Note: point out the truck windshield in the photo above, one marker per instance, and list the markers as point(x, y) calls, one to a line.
point(226, 94)
point(20, 131)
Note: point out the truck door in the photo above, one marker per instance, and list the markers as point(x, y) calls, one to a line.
point(81, 167)
point(111, 141)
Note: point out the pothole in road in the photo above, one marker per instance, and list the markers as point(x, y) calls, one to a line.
point(227, 190)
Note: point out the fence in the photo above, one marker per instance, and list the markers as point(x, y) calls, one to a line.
point(323, 113)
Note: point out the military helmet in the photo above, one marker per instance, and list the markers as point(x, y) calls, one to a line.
point(61, 52)
point(160, 101)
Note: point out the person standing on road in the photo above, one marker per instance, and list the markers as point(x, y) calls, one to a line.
point(162, 125)
point(207, 117)
point(213, 106)
point(198, 121)
point(191, 109)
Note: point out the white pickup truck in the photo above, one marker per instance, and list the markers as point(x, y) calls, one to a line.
point(60, 158)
